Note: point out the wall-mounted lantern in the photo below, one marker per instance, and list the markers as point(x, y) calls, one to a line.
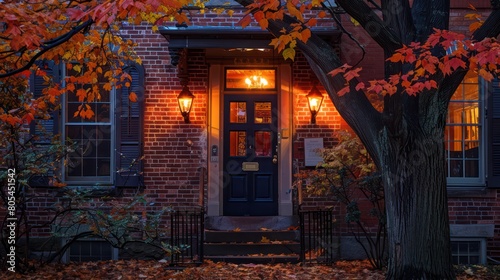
point(314, 99)
point(185, 99)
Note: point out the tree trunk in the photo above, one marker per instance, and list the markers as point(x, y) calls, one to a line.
point(416, 203)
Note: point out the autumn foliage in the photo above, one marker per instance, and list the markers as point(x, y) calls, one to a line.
point(481, 56)
point(84, 35)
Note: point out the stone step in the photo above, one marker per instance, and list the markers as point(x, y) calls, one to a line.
point(267, 259)
point(212, 236)
point(254, 223)
point(248, 249)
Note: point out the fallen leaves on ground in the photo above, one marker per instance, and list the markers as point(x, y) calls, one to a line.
point(140, 269)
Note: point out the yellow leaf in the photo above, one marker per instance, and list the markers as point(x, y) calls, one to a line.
point(77, 68)
point(355, 22)
point(289, 53)
point(264, 240)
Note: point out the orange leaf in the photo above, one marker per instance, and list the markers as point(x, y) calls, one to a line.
point(306, 34)
point(245, 21)
point(263, 23)
point(132, 97)
point(259, 15)
point(485, 75)
point(397, 57)
point(312, 22)
point(474, 26)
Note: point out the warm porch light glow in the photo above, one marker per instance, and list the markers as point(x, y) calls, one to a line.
point(185, 100)
point(314, 98)
point(256, 82)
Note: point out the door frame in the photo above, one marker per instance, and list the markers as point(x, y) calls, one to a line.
point(215, 137)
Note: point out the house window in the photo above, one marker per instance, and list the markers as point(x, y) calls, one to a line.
point(91, 139)
point(464, 134)
point(468, 251)
point(90, 249)
point(105, 148)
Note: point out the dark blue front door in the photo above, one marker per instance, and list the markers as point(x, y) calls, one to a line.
point(250, 155)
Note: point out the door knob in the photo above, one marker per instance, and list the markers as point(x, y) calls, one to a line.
point(275, 159)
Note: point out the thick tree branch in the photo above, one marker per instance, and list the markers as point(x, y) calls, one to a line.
point(372, 23)
point(397, 16)
point(48, 46)
point(429, 14)
point(490, 27)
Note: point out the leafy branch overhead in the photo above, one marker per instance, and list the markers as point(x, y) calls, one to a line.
point(82, 35)
point(482, 57)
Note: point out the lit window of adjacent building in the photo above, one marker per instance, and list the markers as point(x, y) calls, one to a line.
point(464, 134)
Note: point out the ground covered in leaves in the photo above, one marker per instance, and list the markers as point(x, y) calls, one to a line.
point(136, 269)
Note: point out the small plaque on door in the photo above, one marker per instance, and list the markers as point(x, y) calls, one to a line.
point(250, 166)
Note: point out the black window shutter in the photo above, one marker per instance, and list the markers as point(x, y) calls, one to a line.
point(129, 130)
point(494, 134)
point(43, 130)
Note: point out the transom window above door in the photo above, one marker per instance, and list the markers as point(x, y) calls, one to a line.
point(250, 79)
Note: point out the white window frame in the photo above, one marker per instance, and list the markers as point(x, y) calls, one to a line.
point(481, 180)
point(482, 247)
point(90, 180)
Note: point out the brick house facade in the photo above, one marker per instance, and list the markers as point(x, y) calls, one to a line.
point(176, 153)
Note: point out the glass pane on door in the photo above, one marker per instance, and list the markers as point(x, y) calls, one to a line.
point(237, 143)
point(263, 143)
point(238, 112)
point(263, 112)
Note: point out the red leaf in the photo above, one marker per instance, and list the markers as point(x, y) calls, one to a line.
point(360, 86)
point(343, 91)
point(349, 75)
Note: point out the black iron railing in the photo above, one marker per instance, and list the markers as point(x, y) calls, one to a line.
point(317, 241)
point(186, 239)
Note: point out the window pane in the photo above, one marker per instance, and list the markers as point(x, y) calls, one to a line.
point(91, 150)
point(90, 167)
point(471, 168)
point(237, 143)
point(456, 168)
point(463, 131)
point(103, 167)
point(455, 110)
point(263, 112)
point(250, 79)
point(472, 149)
point(102, 111)
point(263, 143)
point(238, 112)
point(471, 92)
